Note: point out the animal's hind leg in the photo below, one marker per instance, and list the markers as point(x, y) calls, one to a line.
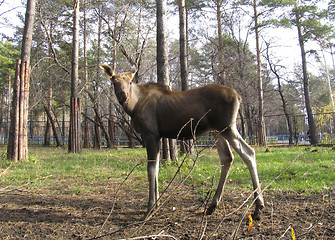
point(247, 153)
point(226, 158)
point(152, 145)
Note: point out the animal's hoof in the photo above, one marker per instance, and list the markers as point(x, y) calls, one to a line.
point(210, 209)
point(257, 214)
point(147, 215)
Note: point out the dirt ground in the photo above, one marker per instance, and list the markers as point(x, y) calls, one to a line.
point(44, 214)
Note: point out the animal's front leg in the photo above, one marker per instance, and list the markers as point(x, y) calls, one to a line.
point(226, 158)
point(152, 146)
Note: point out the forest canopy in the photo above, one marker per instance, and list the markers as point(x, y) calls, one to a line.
point(220, 49)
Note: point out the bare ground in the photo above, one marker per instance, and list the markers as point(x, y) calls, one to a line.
point(55, 213)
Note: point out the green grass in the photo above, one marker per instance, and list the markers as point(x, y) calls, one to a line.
point(310, 172)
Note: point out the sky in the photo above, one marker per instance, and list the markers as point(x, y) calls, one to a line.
point(286, 44)
point(8, 15)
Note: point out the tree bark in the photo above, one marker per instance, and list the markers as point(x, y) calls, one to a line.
point(162, 54)
point(47, 135)
point(186, 146)
point(18, 142)
point(53, 125)
point(9, 100)
point(311, 123)
point(12, 147)
point(111, 121)
point(162, 44)
point(75, 111)
point(87, 142)
point(97, 137)
point(261, 123)
point(221, 71)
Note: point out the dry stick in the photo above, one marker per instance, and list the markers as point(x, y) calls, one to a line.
point(160, 234)
point(247, 209)
point(11, 165)
point(203, 223)
point(152, 237)
point(24, 185)
point(117, 191)
point(289, 227)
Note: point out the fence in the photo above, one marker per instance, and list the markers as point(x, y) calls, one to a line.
point(36, 131)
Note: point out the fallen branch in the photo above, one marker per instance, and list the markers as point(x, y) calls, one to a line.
point(24, 185)
point(11, 165)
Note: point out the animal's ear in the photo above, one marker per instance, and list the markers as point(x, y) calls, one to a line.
point(107, 70)
point(133, 70)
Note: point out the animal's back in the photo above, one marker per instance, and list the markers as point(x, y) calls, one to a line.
point(198, 110)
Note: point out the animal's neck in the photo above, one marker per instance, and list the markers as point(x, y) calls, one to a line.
point(134, 96)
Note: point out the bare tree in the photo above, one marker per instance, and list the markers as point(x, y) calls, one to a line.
point(274, 69)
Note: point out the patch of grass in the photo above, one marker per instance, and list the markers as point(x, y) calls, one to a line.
point(73, 170)
point(313, 171)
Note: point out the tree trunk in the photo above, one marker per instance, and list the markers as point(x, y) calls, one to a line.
point(186, 146)
point(87, 142)
point(97, 137)
point(331, 98)
point(261, 123)
point(162, 50)
point(281, 94)
point(53, 126)
point(47, 136)
point(311, 123)
point(221, 72)
point(75, 111)
point(9, 100)
point(242, 123)
point(13, 138)
point(111, 110)
point(97, 134)
point(162, 44)
point(18, 144)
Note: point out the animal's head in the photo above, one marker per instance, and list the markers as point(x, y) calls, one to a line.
point(122, 82)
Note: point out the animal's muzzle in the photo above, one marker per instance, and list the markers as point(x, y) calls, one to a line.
point(121, 97)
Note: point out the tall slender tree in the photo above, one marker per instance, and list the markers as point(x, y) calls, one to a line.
point(186, 145)
point(221, 70)
point(162, 43)
point(75, 112)
point(261, 122)
point(162, 57)
point(87, 143)
point(311, 122)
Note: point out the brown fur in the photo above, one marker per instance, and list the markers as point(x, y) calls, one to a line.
point(158, 112)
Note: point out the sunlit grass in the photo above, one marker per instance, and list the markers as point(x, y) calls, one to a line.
point(312, 171)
